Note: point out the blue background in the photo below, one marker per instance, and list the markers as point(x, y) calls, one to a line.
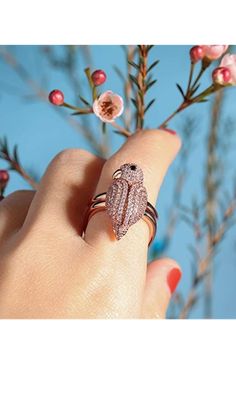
point(41, 133)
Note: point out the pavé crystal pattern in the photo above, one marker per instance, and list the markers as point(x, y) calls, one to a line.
point(126, 199)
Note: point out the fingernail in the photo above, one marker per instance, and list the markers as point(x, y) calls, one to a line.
point(173, 278)
point(169, 130)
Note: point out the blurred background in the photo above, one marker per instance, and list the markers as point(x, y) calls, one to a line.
point(196, 199)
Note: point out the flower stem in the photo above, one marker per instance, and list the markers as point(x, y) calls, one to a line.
point(205, 65)
point(91, 84)
point(179, 109)
point(190, 79)
point(143, 53)
point(122, 130)
point(187, 102)
point(79, 110)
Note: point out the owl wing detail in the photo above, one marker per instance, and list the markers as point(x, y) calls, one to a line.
point(116, 200)
point(136, 205)
point(125, 205)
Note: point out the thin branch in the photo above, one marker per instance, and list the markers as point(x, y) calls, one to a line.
point(14, 162)
point(42, 94)
point(122, 130)
point(204, 263)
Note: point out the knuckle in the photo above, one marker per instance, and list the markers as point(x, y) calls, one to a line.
point(108, 166)
point(71, 156)
point(16, 196)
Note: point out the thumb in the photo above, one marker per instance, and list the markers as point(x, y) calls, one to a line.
point(163, 276)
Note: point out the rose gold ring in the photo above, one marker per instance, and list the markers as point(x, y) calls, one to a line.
point(125, 202)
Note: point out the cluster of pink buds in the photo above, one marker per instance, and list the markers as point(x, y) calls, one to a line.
point(207, 52)
point(223, 75)
point(107, 106)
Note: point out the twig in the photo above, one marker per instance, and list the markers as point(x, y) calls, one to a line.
point(211, 189)
point(37, 89)
point(204, 263)
point(122, 130)
point(14, 162)
point(188, 97)
point(128, 89)
point(188, 130)
point(141, 83)
point(141, 77)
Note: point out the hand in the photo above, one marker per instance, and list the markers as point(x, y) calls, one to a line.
point(47, 270)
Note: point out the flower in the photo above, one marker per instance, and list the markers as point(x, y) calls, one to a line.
point(98, 77)
point(196, 53)
point(213, 52)
point(108, 106)
point(221, 76)
point(4, 178)
point(56, 97)
point(229, 62)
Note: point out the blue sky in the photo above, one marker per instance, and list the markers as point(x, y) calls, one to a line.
point(40, 133)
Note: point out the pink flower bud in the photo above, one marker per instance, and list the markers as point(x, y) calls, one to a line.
point(213, 52)
point(108, 106)
point(98, 77)
point(229, 62)
point(56, 97)
point(196, 53)
point(4, 178)
point(221, 76)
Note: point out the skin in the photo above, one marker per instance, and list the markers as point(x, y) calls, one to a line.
point(47, 270)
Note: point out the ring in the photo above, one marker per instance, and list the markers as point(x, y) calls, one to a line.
point(125, 202)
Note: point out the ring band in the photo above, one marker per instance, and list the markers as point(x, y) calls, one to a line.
point(125, 202)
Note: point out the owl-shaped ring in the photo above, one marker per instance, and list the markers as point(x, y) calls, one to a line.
point(125, 202)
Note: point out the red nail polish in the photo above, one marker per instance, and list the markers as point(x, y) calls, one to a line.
point(169, 130)
point(173, 279)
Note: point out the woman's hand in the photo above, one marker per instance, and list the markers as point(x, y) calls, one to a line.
point(48, 271)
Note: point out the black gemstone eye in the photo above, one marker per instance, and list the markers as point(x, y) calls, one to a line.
point(132, 167)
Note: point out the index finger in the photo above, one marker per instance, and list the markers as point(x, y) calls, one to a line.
point(153, 151)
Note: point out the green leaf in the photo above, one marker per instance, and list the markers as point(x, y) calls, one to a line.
point(133, 64)
point(84, 101)
point(88, 75)
point(194, 252)
point(134, 80)
point(195, 89)
point(181, 90)
point(118, 132)
point(149, 47)
point(119, 73)
point(150, 84)
point(124, 48)
point(149, 105)
point(15, 153)
point(80, 113)
point(134, 102)
point(186, 219)
point(104, 127)
point(152, 66)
